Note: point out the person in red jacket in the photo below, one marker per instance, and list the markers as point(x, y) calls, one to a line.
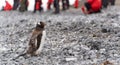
point(92, 6)
point(8, 6)
point(76, 4)
point(50, 2)
point(37, 6)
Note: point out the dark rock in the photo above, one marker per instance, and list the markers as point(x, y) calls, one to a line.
point(104, 30)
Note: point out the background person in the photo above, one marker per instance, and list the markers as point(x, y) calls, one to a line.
point(92, 6)
point(65, 4)
point(56, 6)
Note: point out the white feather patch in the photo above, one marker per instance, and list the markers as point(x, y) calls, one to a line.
point(42, 42)
point(38, 23)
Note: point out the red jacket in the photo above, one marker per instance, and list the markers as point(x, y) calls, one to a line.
point(95, 4)
point(7, 6)
point(38, 4)
point(76, 4)
point(49, 3)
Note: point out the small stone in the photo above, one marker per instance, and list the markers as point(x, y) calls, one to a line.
point(71, 59)
point(104, 30)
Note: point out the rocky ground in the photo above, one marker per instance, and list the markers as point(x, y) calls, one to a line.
point(72, 37)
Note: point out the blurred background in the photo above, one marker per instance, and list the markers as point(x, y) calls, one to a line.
point(117, 2)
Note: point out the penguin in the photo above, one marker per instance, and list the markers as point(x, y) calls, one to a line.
point(36, 42)
point(37, 39)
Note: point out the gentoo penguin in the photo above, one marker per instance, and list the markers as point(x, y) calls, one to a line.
point(36, 42)
point(37, 39)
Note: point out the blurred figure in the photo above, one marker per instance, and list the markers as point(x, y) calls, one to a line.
point(9, 5)
point(2, 4)
point(105, 3)
point(45, 5)
point(31, 4)
point(42, 5)
point(16, 4)
point(37, 5)
point(112, 2)
point(74, 3)
point(65, 4)
point(50, 2)
point(92, 6)
point(23, 5)
point(56, 6)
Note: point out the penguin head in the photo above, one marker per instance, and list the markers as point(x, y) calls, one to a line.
point(40, 25)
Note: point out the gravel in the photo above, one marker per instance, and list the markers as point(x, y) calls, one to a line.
point(72, 37)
